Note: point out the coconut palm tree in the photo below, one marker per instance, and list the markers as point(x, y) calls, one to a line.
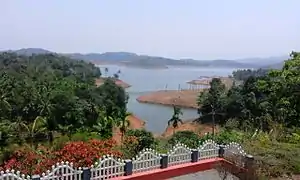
point(175, 120)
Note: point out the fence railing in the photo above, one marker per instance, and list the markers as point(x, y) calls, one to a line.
point(147, 160)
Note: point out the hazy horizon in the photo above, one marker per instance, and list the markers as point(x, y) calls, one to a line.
point(253, 57)
point(194, 29)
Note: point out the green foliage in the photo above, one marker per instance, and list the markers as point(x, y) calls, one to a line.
point(275, 158)
point(84, 136)
point(175, 119)
point(59, 142)
point(144, 139)
point(260, 102)
point(43, 95)
point(211, 102)
point(266, 108)
point(244, 74)
point(162, 145)
point(188, 138)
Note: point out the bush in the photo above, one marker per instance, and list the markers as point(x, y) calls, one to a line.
point(188, 138)
point(225, 137)
point(28, 161)
point(60, 142)
point(82, 154)
point(137, 140)
point(84, 136)
point(130, 143)
point(274, 158)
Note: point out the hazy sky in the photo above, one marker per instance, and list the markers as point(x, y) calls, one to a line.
point(201, 29)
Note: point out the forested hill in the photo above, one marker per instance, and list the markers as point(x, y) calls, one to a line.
point(143, 61)
point(42, 64)
point(54, 93)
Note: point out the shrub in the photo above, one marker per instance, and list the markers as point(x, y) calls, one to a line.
point(275, 158)
point(143, 139)
point(28, 161)
point(225, 137)
point(84, 136)
point(188, 138)
point(129, 146)
point(60, 142)
point(82, 154)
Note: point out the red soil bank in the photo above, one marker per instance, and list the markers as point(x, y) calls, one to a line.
point(135, 123)
point(183, 98)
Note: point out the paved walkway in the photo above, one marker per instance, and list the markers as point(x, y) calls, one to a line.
point(205, 175)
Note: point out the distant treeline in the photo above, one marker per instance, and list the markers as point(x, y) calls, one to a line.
point(244, 74)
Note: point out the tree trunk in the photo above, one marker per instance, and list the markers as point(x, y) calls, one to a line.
point(50, 137)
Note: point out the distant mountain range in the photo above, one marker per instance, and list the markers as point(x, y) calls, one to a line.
point(144, 61)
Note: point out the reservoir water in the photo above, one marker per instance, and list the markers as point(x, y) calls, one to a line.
point(146, 80)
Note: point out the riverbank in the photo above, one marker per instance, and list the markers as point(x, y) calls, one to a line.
point(189, 125)
point(182, 98)
point(100, 81)
point(130, 65)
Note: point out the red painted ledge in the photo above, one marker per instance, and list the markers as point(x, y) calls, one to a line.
point(173, 171)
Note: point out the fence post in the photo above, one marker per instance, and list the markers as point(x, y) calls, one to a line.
point(128, 167)
point(249, 165)
point(86, 173)
point(195, 155)
point(35, 177)
point(221, 151)
point(164, 161)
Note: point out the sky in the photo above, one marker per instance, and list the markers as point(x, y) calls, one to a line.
point(199, 29)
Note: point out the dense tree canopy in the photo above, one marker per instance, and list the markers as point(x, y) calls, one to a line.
point(244, 74)
point(261, 102)
point(50, 93)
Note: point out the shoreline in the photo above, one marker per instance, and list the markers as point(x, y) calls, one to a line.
point(166, 104)
point(130, 65)
point(187, 125)
point(182, 98)
point(119, 82)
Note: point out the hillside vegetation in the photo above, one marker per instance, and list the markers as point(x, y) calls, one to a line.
point(49, 100)
point(263, 113)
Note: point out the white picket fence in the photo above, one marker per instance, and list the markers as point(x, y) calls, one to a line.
point(12, 175)
point(148, 159)
point(179, 154)
point(209, 149)
point(107, 167)
point(235, 153)
point(63, 170)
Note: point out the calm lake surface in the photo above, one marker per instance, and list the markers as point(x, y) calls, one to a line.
point(143, 81)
